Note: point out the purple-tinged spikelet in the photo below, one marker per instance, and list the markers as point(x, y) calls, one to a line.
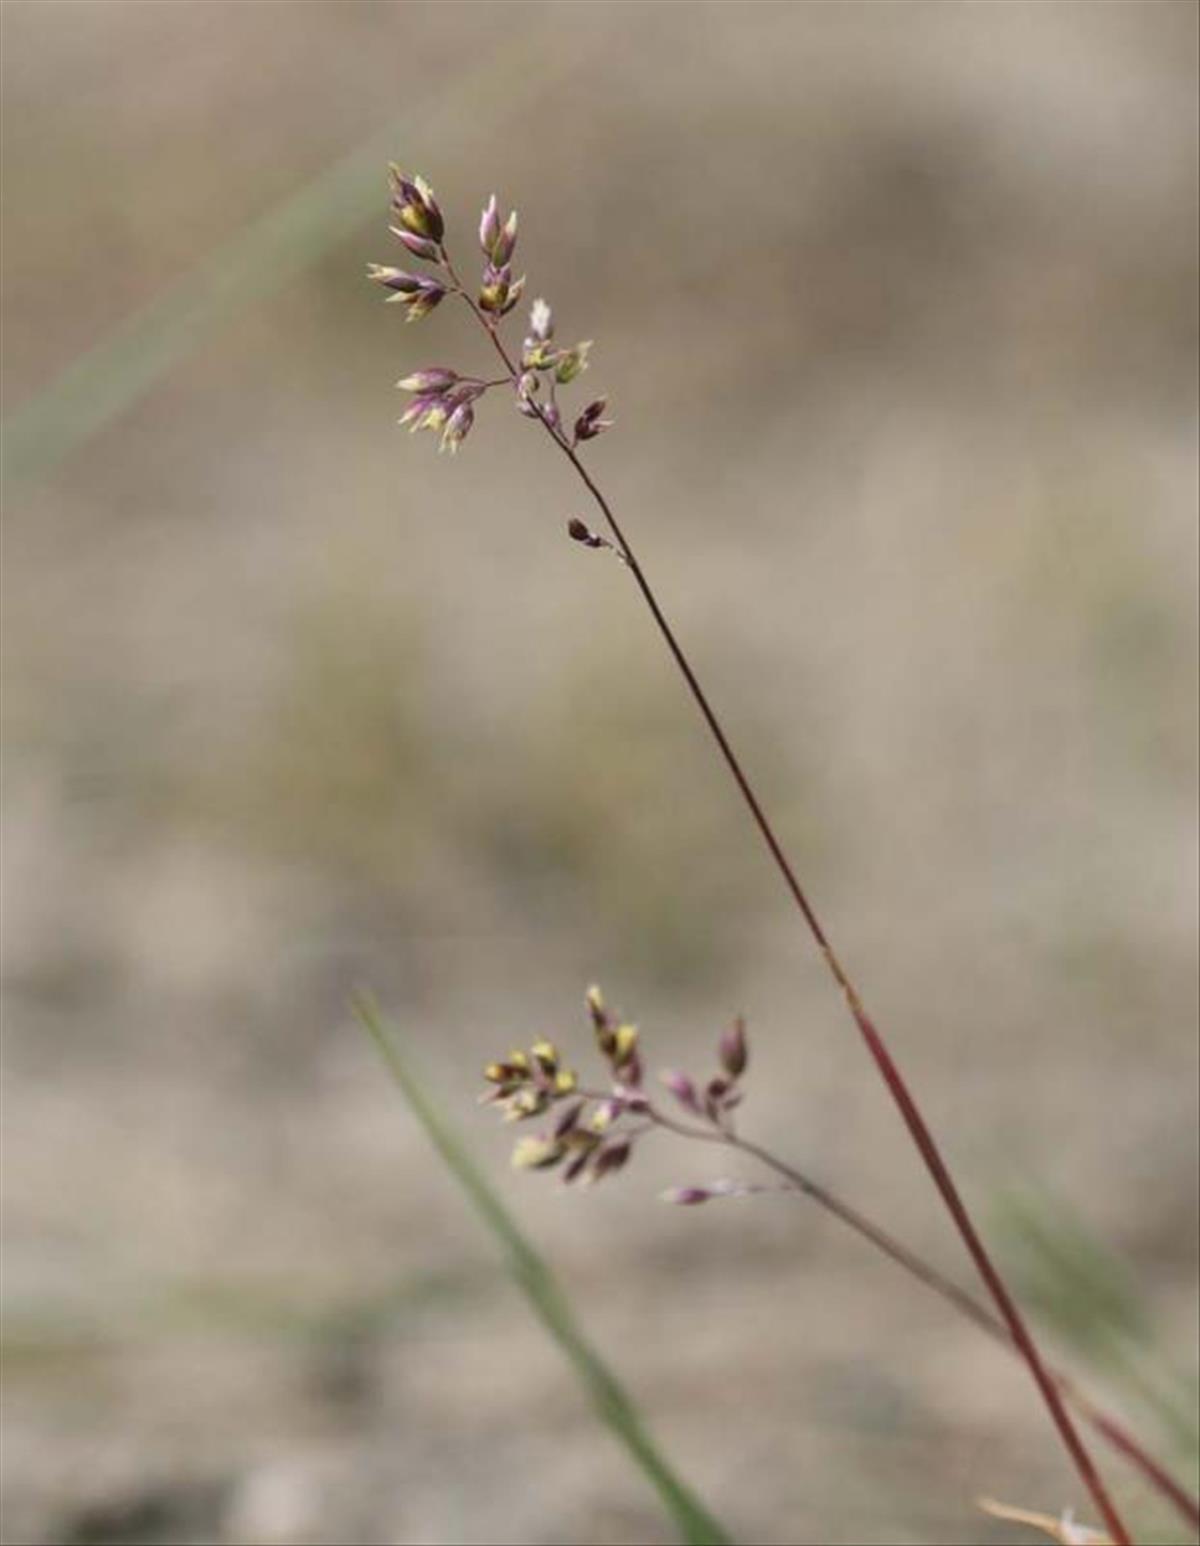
point(414, 206)
point(732, 1050)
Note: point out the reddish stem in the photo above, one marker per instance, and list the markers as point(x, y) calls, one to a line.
point(1108, 1427)
point(876, 1046)
point(1112, 1431)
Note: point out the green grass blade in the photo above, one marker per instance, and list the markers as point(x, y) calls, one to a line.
point(696, 1526)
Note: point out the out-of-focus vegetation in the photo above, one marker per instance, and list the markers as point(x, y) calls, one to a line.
point(1091, 1301)
point(546, 1298)
point(896, 309)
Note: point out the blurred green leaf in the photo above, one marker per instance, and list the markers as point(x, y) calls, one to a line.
point(534, 1278)
point(1088, 1295)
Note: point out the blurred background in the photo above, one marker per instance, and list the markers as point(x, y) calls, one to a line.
point(896, 309)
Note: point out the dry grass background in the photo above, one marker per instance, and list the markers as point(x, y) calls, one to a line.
point(896, 308)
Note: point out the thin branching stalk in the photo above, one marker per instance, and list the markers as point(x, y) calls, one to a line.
point(444, 401)
point(897, 1086)
point(1109, 1428)
point(589, 1138)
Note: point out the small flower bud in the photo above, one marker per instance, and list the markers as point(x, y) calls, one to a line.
point(536, 1153)
point(569, 1118)
point(394, 278)
point(538, 355)
point(596, 1008)
point(493, 292)
point(504, 1073)
point(688, 1196)
point(630, 1070)
point(579, 1164)
point(428, 411)
point(611, 1157)
point(682, 1088)
point(526, 1102)
point(580, 531)
point(605, 1114)
point(417, 292)
point(572, 362)
point(432, 294)
point(415, 207)
point(732, 1050)
point(714, 1092)
point(458, 427)
point(527, 387)
point(516, 290)
point(419, 246)
point(505, 240)
point(591, 422)
point(626, 1044)
point(436, 379)
point(541, 321)
point(489, 226)
point(545, 1056)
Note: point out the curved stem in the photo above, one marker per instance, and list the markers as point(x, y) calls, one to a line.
point(898, 1088)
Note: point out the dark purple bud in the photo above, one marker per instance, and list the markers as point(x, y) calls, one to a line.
point(569, 1118)
point(714, 1092)
point(404, 190)
point(632, 1100)
point(577, 1166)
point(732, 1050)
point(591, 422)
point(611, 1157)
point(581, 532)
point(682, 1088)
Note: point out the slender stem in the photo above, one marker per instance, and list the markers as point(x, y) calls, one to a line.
point(1108, 1427)
point(1112, 1431)
point(918, 1128)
